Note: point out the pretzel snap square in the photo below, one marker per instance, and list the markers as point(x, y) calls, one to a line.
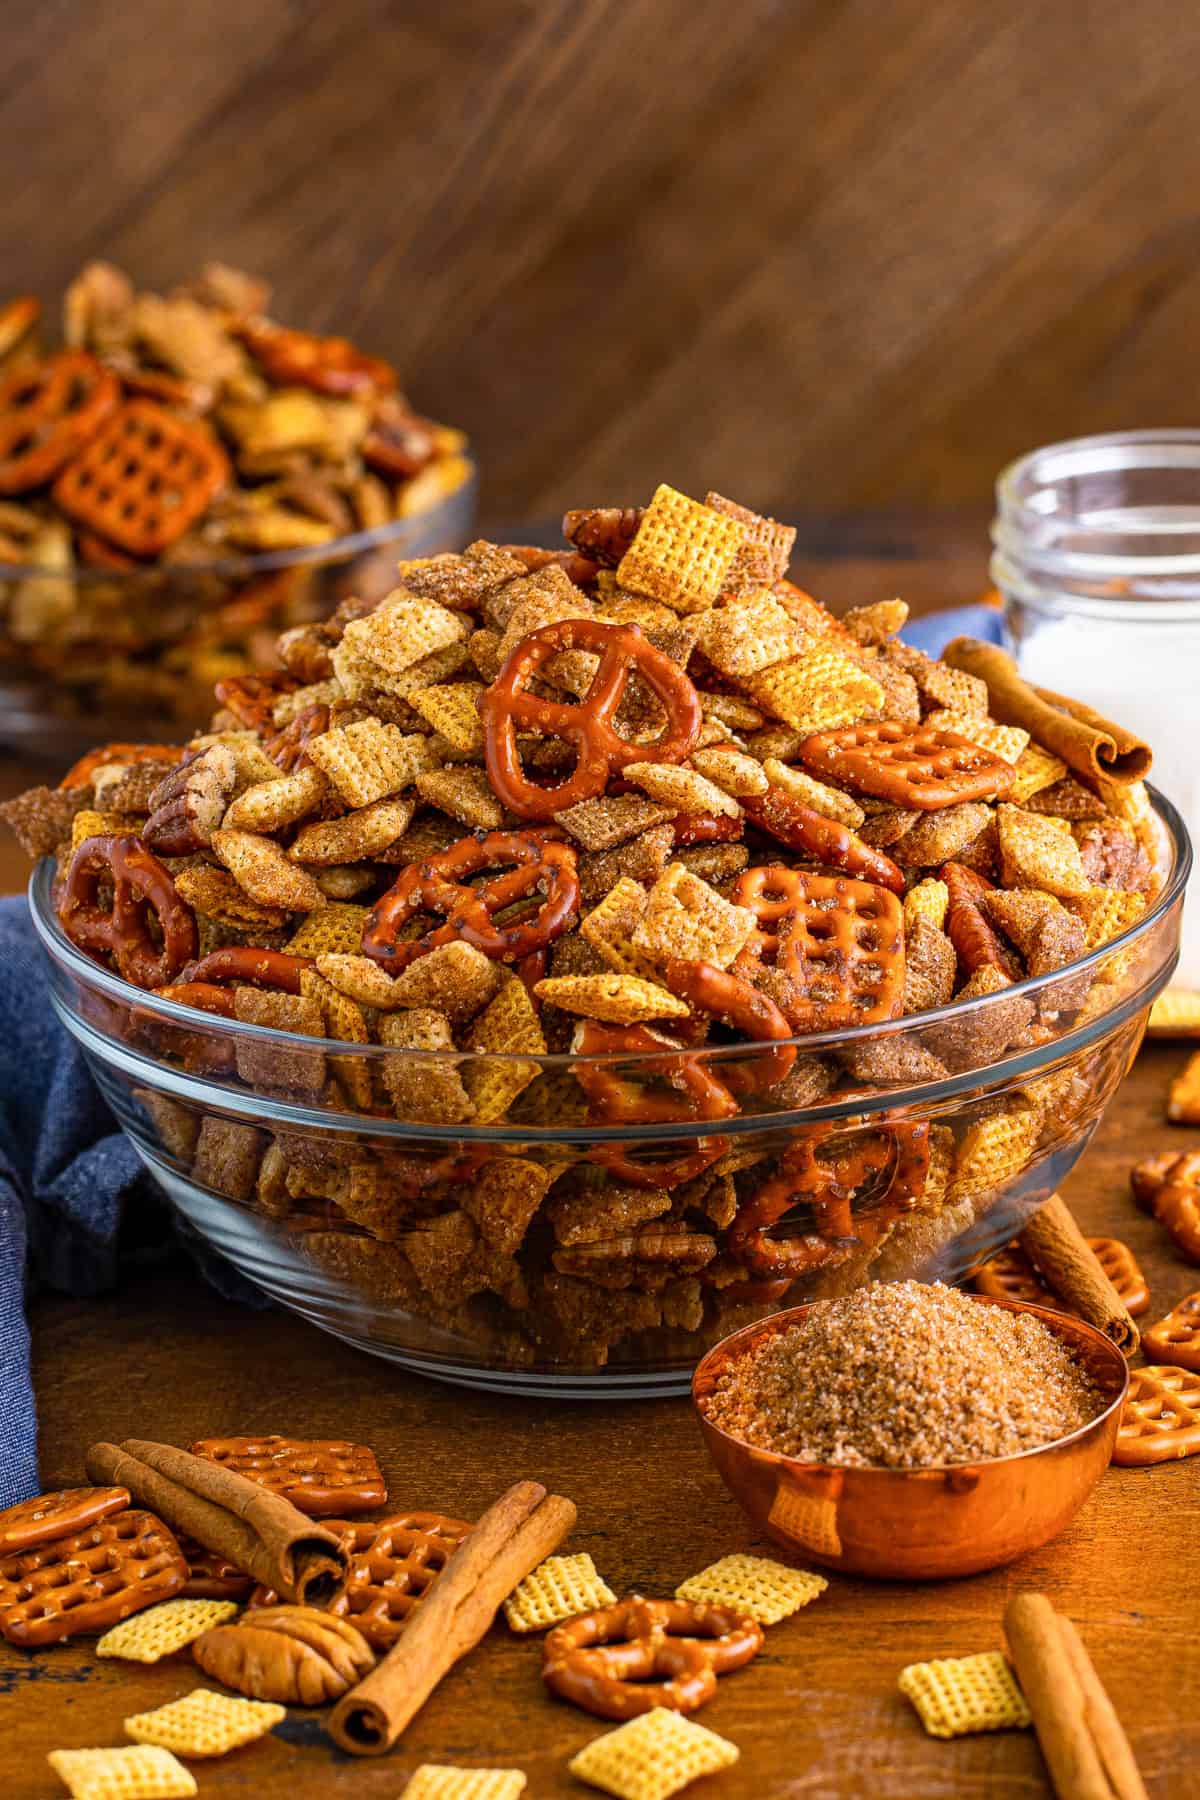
point(320, 1477)
point(910, 766)
point(143, 478)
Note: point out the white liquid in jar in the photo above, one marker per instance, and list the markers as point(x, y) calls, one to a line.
point(1148, 678)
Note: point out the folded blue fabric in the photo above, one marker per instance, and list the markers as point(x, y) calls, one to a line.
point(933, 632)
point(76, 1205)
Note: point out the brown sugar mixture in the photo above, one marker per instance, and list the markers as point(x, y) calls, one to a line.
point(903, 1375)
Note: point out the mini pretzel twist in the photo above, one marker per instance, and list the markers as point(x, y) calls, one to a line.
point(686, 1091)
point(542, 883)
point(249, 966)
point(506, 706)
point(784, 817)
point(80, 773)
point(251, 698)
point(896, 1154)
point(142, 892)
point(727, 997)
point(329, 365)
point(627, 1659)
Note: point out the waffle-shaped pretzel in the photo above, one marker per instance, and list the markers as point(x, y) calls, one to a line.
point(211, 1576)
point(90, 1580)
point(1177, 1335)
point(543, 877)
point(626, 1659)
point(734, 1002)
point(252, 698)
point(1161, 1420)
point(1010, 1275)
point(318, 1476)
point(330, 365)
point(58, 1514)
point(792, 823)
point(838, 943)
point(506, 707)
point(685, 1090)
point(143, 478)
point(393, 1564)
point(919, 766)
point(882, 1171)
point(247, 965)
point(141, 889)
point(49, 412)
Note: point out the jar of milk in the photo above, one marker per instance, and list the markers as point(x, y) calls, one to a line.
point(1097, 555)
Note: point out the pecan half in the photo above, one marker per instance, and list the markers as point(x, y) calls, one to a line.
point(602, 532)
point(188, 806)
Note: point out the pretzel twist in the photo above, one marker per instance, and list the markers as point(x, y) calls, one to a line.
point(506, 706)
point(142, 890)
point(688, 1092)
point(627, 1659)
point(542, 866)
point(735, 1003)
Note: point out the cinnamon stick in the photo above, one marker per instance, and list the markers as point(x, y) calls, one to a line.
point(1089, 744)
point(1056, 1699)
point(516, 1533)
point(1066, 1261)
point(1103, 1723)
point(259, 1532)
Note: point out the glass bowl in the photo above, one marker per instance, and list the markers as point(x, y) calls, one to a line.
point(542, 1253)
point(134, 654)
point(920, 1524)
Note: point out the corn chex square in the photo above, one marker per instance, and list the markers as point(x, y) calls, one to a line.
point(336, 930)
point(508, 1031)
point(652, 1756)
point(557, 1589)
point(162, 1629)
point(1005, 741)
point(89, 823)
point(817, 691)
point(465, 793)
point(205, 1723)
point(731, 769)
point(682, 552)
point(958, 1695)
point(442, 1781)
point(616, 999)
point(928, 900)
point(766, 548)
point(612, 819)
point(685, 917)
point(610, 926)
point(261, 867)
point(1106, 913)
point(367, 831)
point(404, 629)
point(1035, 852)
point(831, 803)
point(751, 635)
point(1036, 769)
point(130, 1772)
point(368, 760)
point(995, 1148)
point(452, 708)
point(758, 1586)
point(271, 805)
point(684, 790)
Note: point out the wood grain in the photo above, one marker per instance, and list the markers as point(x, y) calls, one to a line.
point(821, 255)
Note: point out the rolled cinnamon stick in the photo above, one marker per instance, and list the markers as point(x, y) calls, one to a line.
point(1055, 1698)
point(1103, 1723)
point(1088, 743)
point(518, 1532)
point(1066, 1261)
point(259, 1532)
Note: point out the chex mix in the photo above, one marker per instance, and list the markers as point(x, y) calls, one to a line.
point(587, 838)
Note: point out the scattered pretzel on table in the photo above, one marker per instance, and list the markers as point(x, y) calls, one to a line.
point(90, 1580)
point(1161, 1420)
point(627, 1659)
point(319, 1476)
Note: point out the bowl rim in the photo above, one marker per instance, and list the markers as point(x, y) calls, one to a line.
point(249, 564)
point(780, 1322)
point(59, 947)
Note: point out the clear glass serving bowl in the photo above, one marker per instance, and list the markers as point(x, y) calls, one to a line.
point(90, 653)
point(541, 1253)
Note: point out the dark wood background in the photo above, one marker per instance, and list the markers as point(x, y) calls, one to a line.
point(823, 254)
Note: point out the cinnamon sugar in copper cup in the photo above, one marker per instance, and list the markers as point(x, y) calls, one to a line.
point(918, 1523)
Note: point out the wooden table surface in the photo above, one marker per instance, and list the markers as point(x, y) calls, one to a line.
point(818, 1714)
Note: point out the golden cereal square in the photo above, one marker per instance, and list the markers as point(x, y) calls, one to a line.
point(404, 629)
point(1107, 912)
point(368, 760)
point(89, 823)
point(273, 804)
point(205, 1723)
point(452, 709)
point(817, 691)
point(830, 802)
point(508, 1031)
point(615, 999)
point(1035, 852)
point(427, 1089)
point(465, 793)
point(959, 1695)
point(758, 1586)
point(731, 769)
point(260, 866)
point(557, 1589)
point(652, 1756)
point(162, 1629)
point(130, 1772)
point(367, 831)
point(442, 1781)
point(739, 640)
point(682, 552)
point(612, 819)
point(686, 917)
point(1176, 1014)
point(610, 926)
point(1036, 769)
point(995, 1148)
point(336, 930)
point(1006, 741)
point(928, 900)
point(682, 789)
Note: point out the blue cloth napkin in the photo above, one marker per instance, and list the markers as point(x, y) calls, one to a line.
point(933, 632)
point(76, 1205)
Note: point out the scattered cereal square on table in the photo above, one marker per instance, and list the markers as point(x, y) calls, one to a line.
point(557, 1589)
point(127, 1772)
point(442, 1781)
point(652, 1756)
point(205, 1723)
point(962, 1694)
point(147, 1636)
point(765, 1590)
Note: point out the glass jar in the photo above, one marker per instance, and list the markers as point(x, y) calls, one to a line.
point(1097, 556)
